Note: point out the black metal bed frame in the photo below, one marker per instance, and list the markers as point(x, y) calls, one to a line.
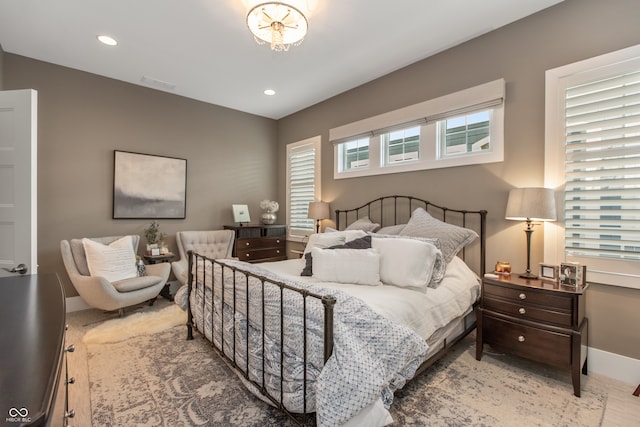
point(327, 301)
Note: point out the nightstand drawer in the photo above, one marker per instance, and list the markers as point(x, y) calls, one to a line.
point(518, 296)
point(532, 343)
point(261, 243)
point(529, 311)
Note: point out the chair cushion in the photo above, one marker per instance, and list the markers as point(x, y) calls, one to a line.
point(135, 283)
point(114, 262)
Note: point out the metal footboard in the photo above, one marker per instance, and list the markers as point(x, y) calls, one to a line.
point(226, 348)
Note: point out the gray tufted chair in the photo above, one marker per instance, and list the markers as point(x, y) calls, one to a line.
point(215, 244)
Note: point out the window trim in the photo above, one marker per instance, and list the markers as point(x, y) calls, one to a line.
point(609, 272)
point(315, 143)
point(427, 114)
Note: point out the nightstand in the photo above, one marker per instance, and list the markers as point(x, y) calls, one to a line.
point(536, 320)
point(260, 243)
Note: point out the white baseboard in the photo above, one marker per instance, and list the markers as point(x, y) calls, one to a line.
point(616, 366)
point(76, 304)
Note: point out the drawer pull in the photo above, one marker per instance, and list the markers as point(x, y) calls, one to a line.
point(71, 380)
point(277, 240)
point(521, 338)
point(523, 296)
point(278, 251)
point(70, 349)
point(521, 310)
point(247, 244)
point(248, 255)
point(70, 414)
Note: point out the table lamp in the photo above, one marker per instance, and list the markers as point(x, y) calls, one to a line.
point(318, 211)
point(531, 204)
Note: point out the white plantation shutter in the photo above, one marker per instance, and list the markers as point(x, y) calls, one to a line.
point(602, 190)
point(303, 184)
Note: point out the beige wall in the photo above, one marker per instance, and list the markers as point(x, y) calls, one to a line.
point(83, 118)
point(520, 53)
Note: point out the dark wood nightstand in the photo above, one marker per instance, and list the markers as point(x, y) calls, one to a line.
point(156, 259)
point(260, 243)
point(537, 320)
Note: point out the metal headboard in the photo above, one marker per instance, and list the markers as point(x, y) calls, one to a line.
point(393, 210)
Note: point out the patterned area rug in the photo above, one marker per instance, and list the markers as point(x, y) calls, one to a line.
point(164, 380)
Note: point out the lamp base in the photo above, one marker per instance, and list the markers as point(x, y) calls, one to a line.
point(528, 275)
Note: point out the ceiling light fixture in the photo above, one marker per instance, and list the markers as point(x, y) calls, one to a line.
point(277, 23)
point(109, 41)
point(269, 92)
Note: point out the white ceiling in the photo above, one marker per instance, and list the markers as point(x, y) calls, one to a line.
point(204, 48)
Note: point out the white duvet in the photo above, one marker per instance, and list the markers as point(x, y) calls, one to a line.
point(424, 313)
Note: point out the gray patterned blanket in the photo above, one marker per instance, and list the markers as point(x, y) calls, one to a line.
point(372, 356)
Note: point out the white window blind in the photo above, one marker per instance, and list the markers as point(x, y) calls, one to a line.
point(303, 183)
point(602, 192)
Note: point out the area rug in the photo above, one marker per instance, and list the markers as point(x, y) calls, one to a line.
point(136, 324)
point(164, 380)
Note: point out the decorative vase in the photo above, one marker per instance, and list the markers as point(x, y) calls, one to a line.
point(268, 217)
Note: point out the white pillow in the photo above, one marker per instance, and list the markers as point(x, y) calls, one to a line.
point(357, 266)
point(406, 263)
point(324, 240)
point(114, 262)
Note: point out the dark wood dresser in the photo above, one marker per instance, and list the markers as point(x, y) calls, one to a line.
point(33, 356)
point(260, 243)
point(537, 320)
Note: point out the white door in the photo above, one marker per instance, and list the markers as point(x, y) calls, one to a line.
point(18, 182)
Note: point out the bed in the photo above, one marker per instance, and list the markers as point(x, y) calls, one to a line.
point(328, 337)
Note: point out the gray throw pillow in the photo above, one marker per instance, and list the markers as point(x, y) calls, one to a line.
point(452, 238)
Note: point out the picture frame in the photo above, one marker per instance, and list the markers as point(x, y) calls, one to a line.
point(573, 274)
point(549, 272)
point(147, 186)
point(241, 213)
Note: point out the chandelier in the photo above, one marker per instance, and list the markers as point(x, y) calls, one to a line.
point(279, 24)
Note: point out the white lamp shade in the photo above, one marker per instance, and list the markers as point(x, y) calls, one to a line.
point(319, 210)
point(536, 204)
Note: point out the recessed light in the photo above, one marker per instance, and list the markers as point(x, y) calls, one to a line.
point(269, 92)
point(109, 41)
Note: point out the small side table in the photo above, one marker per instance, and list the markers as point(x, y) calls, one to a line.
point(156, 259)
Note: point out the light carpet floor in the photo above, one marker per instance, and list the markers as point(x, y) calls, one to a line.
point(160, 379)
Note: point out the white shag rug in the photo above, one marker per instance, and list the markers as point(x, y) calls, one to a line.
point(136, 324)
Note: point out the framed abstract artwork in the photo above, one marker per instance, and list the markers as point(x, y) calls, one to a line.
point(148, 186)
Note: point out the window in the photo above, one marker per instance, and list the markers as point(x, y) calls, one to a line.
point(597, 136)
point(465, 134)
point(303, 185)
point(462, 128)
point(401, 145)
point(354, 154)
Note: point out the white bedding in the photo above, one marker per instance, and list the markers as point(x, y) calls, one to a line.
point(424, 313)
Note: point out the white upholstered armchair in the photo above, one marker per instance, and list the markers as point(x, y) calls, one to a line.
point(97, 291)
point(215, 244)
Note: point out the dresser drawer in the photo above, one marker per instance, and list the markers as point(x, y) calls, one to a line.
point(262, 254)
point(532, 343)
point(528, 311)
point(261, 243)
point(519, 296)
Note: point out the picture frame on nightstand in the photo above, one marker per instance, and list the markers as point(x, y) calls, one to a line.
point(573, 274)
point(549, 272)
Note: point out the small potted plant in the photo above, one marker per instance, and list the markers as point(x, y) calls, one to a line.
point(155, 238)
